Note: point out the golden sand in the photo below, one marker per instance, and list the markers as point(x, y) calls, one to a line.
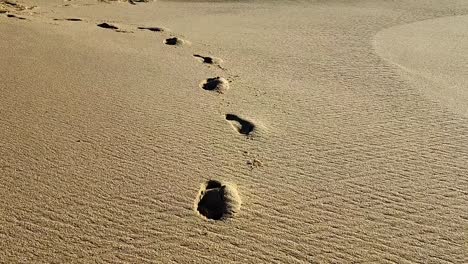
point(285, 132)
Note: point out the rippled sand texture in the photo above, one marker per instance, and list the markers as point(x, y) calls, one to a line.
point(233, 132)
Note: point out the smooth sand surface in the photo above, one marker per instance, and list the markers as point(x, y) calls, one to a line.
point(342, 138)
point(436, 50)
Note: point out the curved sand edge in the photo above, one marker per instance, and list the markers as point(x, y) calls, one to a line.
point(434, 50)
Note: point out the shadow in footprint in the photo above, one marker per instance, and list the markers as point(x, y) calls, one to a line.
point(154, 29)
point(207, 60)
point(15, 16)
point(176, 41)
point(212, 204)
point(217, 84)
point(172, 41)
point(134, 2)
point(241, 125)
point(210, 60)
point(217, 201)
point(107, 25)
point(69, 19)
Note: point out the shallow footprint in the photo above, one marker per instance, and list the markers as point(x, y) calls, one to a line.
point(113, 27)
point(208, 60)
point(107, 25)
point(69, 19)
point(154, 29)
point(217, 84)
point(217, 200)
point(15, 16)
point(242, 126)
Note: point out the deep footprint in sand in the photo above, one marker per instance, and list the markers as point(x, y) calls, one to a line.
point(208, 60)
point(176, 41)
point(154, 29)
point(113, 27)
point(107, 26)
point(216, 84)
point(15, 16)
point(242, 126)
point(217, 200)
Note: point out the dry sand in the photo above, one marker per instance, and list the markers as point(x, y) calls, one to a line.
point(343, 136)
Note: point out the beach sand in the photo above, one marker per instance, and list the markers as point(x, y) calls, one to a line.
point(234, 131)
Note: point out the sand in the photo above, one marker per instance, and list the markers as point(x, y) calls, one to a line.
point(434, 50)
point(335, 131)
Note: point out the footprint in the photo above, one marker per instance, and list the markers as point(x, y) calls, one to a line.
point(73, 19)
point(69, 19)
point(108, 26)
point(217, 200)
point(208, 60)
point(217, 84)
point(242, 126)
point(154, 29)
point(113, 27)
point(176, 41)
point(254, 163)
point(15, 16)
point(132, 2)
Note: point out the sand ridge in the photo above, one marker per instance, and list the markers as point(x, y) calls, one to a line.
point(437, 55)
